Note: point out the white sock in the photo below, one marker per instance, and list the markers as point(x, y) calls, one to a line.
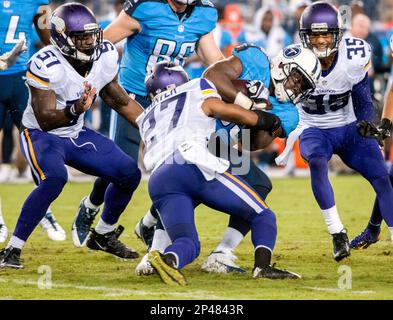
point(16, 243)
point(391, 233)
point(1, 214)
point(231, 239)
point(161, 240)
point(149, 220)
point(332, 220)
point(89, 205)
point(102, 227)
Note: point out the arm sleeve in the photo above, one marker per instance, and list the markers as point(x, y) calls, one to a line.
point(362, 100)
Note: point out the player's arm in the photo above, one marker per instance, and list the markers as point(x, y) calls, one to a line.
point(121, 28)
point(117, 98)
point(48, 117)
point(40, 22)
point(208, 50)
point(256, 119)
point(222, 73)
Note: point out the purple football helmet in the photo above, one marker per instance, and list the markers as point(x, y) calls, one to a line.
point(70, 24)
point(321, 18)
point(164, 76)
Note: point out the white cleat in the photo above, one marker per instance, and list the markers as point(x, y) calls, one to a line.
point(144, 268)
point(52, 227)
point(222, 262)
point(3, 233)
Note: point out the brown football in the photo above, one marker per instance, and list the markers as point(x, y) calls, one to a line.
point(240, 85)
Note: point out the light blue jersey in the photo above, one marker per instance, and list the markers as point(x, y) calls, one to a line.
point(15, 24)
point(164, 35)
point(256, 66)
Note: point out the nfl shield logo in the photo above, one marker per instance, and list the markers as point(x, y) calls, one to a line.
point(6, 4)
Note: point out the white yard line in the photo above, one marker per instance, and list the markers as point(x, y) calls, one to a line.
point(340, 290)
point(117, 292)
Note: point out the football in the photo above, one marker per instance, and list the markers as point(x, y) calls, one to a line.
point(240, 86)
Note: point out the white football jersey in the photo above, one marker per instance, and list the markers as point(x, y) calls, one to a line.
point(330, 106)
point(49, 70)
point(175, 118)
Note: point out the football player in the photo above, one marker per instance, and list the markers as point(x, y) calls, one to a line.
point(175, 130)
point(15, 37)
point(63, 81)
point(382, 131)
point(263, 80)
point(328, 118)
point(155, 30)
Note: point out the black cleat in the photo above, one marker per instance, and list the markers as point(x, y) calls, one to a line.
point(82, 224)
point(110, 243)
point(10, 258)
point(145, 233)
point(341, 247)
point(271, 272)
point(365, 239)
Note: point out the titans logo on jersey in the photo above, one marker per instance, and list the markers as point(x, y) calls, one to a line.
point(256, 66)
point(16, 24)
point(164, 34)
point(331, 104)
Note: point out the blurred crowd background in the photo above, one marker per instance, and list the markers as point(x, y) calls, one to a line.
point(271, 24)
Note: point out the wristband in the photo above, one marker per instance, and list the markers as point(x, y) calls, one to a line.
point(243, 101)
point(71, 114)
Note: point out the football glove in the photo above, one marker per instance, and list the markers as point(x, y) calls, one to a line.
point(370, 130)
point(9, 58)
point(259, 94)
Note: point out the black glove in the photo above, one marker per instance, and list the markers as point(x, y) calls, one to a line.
point(370, 130)
point(267, 122)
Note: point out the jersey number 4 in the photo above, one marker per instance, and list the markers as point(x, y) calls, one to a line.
point(10, 36)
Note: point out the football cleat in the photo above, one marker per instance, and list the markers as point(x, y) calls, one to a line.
point(3, 233)
point(144, 268)
point(52, 227)
point(166, 268)
point(10, 258)
point(341, 247)
point(144, 233)
point(271, 272)
point(82, 224)
point(222, 262)
point(110, 243)
point(365, 239)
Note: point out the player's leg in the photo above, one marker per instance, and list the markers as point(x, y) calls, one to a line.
point(222, 259)
point(371, 234)
point(316, 148)
point(128, 139)
point(364, 156)
point(3, 227)
point(97, 155)
point(45, 154)
point(238, 198)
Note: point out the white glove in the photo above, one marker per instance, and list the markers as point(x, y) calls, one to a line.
point(259, 94)
point(9, 58)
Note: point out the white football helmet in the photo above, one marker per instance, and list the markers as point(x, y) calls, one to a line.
point(302, 65)
point(187, 2)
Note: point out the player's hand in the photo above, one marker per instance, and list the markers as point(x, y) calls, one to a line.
point(370, 130)
point(9, 58)
point(87, 98)
point(258, 94)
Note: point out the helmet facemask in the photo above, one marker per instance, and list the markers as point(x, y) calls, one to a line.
point(295, 77)
point(305, 36)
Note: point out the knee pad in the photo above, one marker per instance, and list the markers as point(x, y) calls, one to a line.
point(318, 163)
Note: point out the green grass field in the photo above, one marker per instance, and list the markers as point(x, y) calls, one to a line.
point(303, 246)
